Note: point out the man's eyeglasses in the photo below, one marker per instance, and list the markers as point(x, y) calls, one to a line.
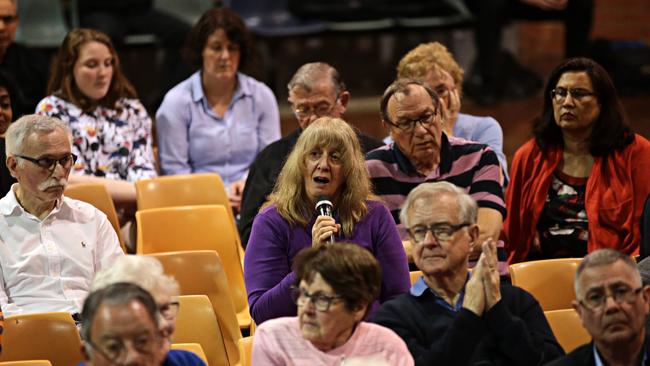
point(50, 163)
point(319, 110)
point(441, 232)
point(594, 300)
point(321, 302)
point(169, 310)
point(560, 94)
point(426, 121)
point(115, 350)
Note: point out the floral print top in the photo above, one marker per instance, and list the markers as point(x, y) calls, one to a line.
point(108, 143)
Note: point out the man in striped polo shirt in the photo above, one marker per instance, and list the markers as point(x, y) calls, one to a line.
point(422, 152)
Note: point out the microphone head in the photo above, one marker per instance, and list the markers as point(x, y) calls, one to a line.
point(323, 200)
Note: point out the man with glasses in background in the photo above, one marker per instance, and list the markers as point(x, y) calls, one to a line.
point(315, 90)
point(613, 305)
point(50, 246)
point(452, 317)
point(422, 152)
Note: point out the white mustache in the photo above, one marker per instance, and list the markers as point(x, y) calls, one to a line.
point(53, 182)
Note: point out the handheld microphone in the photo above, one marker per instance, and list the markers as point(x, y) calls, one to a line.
point(324, 207)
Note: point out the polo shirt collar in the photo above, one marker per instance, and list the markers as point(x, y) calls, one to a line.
point(406, 166)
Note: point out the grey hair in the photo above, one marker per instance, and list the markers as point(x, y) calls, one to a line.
point(403, 86)
point(603, 257)
point(146, 272)
point(467, 207)
point(311, 73)
point(25, 126)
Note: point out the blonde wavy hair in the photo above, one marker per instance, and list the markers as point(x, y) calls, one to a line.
point(430, 57)
point(289, 195)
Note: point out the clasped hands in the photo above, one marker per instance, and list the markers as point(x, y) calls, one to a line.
point(483, 290)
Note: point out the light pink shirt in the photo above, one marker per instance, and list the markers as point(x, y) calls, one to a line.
point(280, 342)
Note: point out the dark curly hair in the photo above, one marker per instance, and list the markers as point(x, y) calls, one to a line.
point(235, 29)
point(610, 130)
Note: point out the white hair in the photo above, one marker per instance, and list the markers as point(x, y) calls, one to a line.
point(467, 207)
point(146, 272)
point(19, 131)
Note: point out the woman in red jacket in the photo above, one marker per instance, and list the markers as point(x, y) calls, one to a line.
point(580, 183)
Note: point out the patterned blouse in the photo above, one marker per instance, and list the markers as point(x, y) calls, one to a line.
point(108, 143)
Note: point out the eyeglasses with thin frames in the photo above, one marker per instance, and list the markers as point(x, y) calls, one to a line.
point(442, 232)
point(427, 120)
point(50, 163)
point(320, 110)
point(321, 302)
point(169, 310)
point(578, 94)
point(595, 300)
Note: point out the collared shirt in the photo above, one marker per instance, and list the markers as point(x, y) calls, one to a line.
point(48, 265)
point(599, 361)
point(109, 143)
point(193, 139)
point(420, 287)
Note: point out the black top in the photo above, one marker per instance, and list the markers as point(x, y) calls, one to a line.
point(6, 180)
point(514, 332)
point(264, 172)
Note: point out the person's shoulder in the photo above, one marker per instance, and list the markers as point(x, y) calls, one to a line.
point(273, 149)
point(82, 211)
point(382, 153)
point(285, 324)
point(379, 331)
point(181, 92)
point(52, 103)
point(396, 305)
point(178, 357)
point(255, 87)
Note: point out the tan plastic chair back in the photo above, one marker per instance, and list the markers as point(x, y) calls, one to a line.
point(27, 363)
point(550, 281)
point(204, 227)
point(41, 336)
point(245, 350)
point(200, 272)
point(568, 329)
point(185, 190)
point(97, 195)
point(414, 276)
point(190, 347)
point(196, 323)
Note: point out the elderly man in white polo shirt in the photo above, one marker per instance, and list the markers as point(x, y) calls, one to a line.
point(50, 246)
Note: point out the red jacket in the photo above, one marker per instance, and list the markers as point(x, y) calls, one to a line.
point(615, 193)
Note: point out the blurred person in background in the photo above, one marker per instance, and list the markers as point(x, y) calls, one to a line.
point(218, 119)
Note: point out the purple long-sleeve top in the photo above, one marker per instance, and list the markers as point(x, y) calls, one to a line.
point(274, 243)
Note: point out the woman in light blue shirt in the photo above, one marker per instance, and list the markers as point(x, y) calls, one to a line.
point(218, 119)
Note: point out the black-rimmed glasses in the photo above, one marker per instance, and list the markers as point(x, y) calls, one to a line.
point(115, 350)
point(50, 163)
point(426, 120)
point(169, 310)
point(321, 301)
point(441, 232)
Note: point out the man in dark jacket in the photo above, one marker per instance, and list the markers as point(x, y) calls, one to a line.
point(315, 90)
point(613, 305)
point(451, 317)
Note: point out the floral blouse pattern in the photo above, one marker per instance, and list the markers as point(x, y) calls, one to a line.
point(108, 143)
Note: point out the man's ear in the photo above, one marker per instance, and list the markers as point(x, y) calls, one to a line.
point(344, 99)
point(575, 304)
point(85, 352)
point(646, 298)
point(473, 232)
point(12, 165)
